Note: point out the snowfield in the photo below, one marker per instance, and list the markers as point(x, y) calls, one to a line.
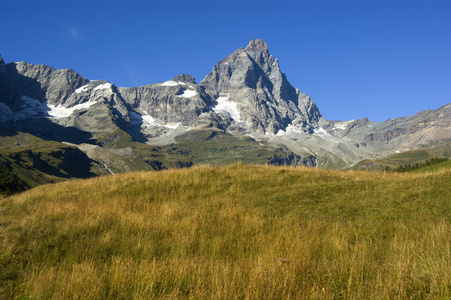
point(173, 83)
point(188, 94)
point(289, 130)
point(226, 106)
point(146, 120)
point(60, 111)
point(169, 83)
point(321, 131)
point(342, 125)
point(32, 108)
point(103, 86)
point(84, 88)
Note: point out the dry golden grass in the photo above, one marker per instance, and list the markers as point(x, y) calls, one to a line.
point(235, 232)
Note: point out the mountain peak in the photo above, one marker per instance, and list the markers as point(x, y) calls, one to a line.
point(259, 51)
point(257, 46)
point(2, 62)
point(184, 78)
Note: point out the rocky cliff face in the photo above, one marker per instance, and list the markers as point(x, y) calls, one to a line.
point(249, 87)
point(402, 133)
point(60, 104)
point(45, 83)
point(9, 93)
point(179, 100)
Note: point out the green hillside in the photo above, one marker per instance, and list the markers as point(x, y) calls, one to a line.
point(35, 161)
point(233, 232)
point(396, 160)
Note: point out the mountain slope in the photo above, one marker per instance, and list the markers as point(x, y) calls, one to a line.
point(246, 98)
point(35, 161)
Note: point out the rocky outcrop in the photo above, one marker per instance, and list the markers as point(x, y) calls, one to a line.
point(423, 127)
point(249, 86)
point(46, 84)
point(9, 93)
point(179, 100)
point(186, 78)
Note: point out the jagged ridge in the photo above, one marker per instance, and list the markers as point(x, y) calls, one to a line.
point(245, 94)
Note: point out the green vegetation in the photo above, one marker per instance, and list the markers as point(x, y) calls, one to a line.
point(440, 147)
point(219, 148)
point(398, 159)
point(233, 232)
point(427, 163)
point(446, 164)
point(34, 161)
point(10, 183)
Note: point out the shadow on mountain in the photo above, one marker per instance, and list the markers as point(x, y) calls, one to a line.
point(134, 130)
point(26, 85)
point(7, 132)
point(49, 131)
point(36, 119)
point(71, 163)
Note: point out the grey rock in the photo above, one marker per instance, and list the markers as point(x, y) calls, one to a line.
point(45, 83)
point(179, 100)
point(9, 93)
point(251, 80)
point(185, 78)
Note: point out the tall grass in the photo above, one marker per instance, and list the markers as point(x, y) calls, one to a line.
point(235, 232)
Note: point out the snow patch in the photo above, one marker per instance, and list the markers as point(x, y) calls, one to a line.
point(188, 94)
point(173, 83)
point(103, 86)
point(59, 111)
point(146, 120)
point(82, 89)
point(172, 126)
point(226, 106)
point(32, 108)
point(169, 83)
point(342, 125)
point(320, 131)
point(289, 130)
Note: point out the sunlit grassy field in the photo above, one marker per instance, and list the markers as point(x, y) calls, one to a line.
point(232, 232)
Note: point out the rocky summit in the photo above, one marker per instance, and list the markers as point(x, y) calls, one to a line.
point(244, 109)
point(249, 86)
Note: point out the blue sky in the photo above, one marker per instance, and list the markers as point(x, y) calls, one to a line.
point(379, 59)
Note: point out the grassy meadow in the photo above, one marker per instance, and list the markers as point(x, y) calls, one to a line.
point(230, 232)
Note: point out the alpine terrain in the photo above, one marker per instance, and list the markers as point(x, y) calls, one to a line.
point(244, 110)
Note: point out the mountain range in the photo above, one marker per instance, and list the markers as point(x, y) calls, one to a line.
point(243, 110)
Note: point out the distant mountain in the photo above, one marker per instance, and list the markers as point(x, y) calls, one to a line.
point(245, 105)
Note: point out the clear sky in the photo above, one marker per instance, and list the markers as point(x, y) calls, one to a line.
point(379, 59)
